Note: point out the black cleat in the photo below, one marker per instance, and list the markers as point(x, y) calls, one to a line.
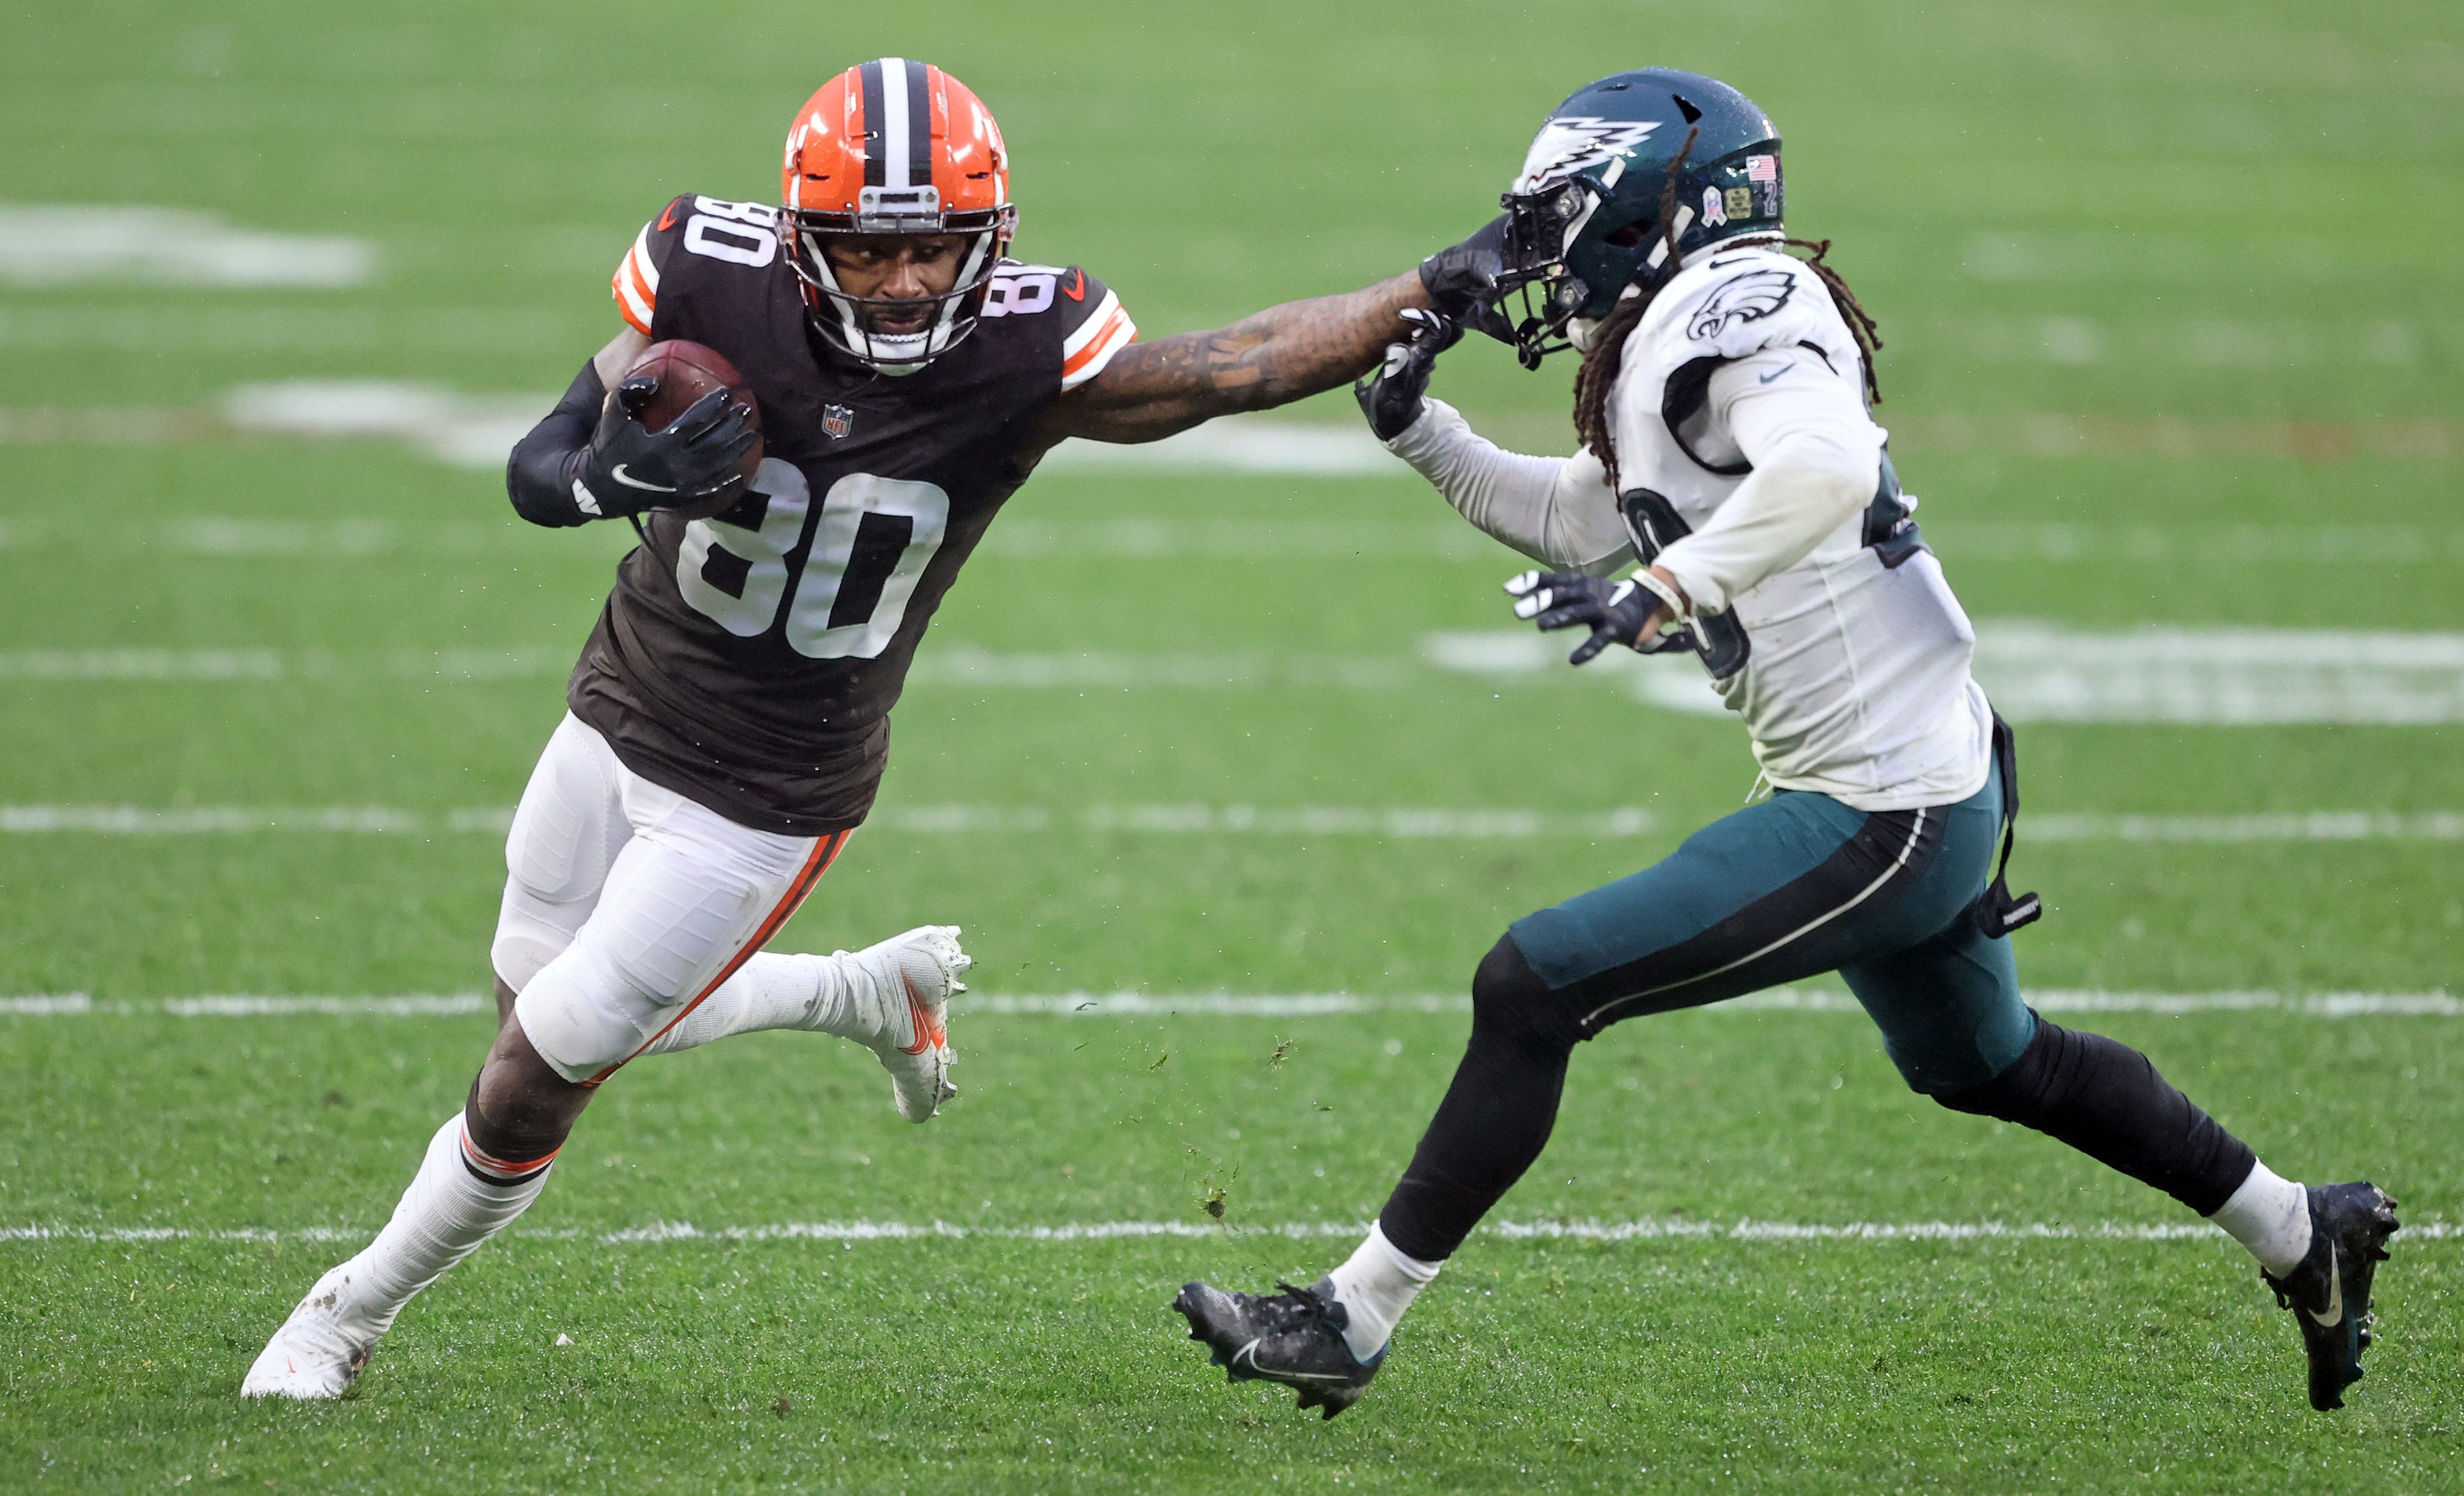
point(2329, 1293)
point(1294, 1337)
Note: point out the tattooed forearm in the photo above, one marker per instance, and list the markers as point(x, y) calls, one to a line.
point(1152, 390)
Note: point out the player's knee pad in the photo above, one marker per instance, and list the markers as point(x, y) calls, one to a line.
point(1510, 1003)
point(565, 837)
point(581, 1017)
point(530, 935)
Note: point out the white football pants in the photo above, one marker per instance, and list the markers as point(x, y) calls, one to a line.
point(626, 903)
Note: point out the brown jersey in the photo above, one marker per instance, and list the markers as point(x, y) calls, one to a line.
point(749, 661)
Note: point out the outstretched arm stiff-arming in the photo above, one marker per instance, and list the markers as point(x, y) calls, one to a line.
point(1151, 391)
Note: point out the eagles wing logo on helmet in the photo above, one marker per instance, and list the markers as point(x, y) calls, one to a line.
point(1569, 142)
point(1750, 297)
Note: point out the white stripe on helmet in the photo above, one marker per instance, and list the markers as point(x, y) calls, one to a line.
point(894, 123)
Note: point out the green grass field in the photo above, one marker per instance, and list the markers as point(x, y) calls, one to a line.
point(2073, 218)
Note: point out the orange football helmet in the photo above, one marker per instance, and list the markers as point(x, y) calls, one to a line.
point(886, 147)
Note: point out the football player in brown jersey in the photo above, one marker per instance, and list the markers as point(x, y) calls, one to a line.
point(728, 718)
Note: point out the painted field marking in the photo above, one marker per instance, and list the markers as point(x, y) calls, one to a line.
point(2055, 542)
point(2034, 670)
point(478, 430)
point(2237, 346)
point(673, 1233)
point(1815, 1000)
point(1292, 1005)
point(58, 244)
point(262, 329)
point(253, 664)
point(2316, 826)
point(2039, 671)
point(1193, 818)
point(1185, 819)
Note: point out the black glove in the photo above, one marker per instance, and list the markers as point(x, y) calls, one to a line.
point(1391, 397)
point(1618, 612)
point(628, 468)
point(1461, 282)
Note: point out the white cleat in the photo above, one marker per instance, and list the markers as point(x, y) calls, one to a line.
point(321, 1349)
point(899, 993)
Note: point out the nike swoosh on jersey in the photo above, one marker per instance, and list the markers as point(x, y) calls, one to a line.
point(619, 474)
point(2335, 1312)
point(1772, 375)
point(668, 219)
point(1076, 290)
point(1251, 1351)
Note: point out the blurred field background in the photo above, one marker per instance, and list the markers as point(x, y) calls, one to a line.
point(2174, 337)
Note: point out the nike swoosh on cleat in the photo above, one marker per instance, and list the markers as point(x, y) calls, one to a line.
point(2335, 1313)
point(1251, 1351)
point(927, 1033)
point(619, 474)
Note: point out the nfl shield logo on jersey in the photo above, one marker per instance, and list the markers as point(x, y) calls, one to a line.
point(837, 420)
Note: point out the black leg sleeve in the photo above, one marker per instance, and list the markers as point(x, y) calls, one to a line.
point(2106, 1100)
point(1496, 1117)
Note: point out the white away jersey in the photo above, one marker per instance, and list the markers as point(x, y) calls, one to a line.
point(1855, 681)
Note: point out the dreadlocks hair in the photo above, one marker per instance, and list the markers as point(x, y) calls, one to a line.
point(1606, 355)
point(1860, 322)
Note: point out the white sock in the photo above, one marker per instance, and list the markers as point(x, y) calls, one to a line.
point(769, 991)
point(444, 1217)
point(1374, 1286)
point(2270, 1216)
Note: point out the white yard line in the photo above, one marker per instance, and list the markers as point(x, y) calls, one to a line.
point(2316, 826)
point(2239, 345)
point(1194, 818)
point(849, 1232)
point(1290, 1004)
point(224, 666)
point(2034, 670)
point(2039, 671)
point(477, 430)
point(59, 244)
point(242, 537)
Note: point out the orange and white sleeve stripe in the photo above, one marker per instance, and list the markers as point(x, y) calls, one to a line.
point(636, 285)
point(1106, 332)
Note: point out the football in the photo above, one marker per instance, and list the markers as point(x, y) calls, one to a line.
point(687, 371)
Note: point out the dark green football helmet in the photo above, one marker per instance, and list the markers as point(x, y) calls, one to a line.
point(1583, 221)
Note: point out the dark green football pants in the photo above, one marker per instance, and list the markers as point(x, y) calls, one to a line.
point(1792, 887)
point(1782, 891)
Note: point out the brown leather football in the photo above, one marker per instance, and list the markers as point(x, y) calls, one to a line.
point(686, 371)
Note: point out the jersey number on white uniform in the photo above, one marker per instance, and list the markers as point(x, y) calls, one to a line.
point(848, 594)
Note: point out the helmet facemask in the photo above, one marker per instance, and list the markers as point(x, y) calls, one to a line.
point(1574, 248)
point(850, 322)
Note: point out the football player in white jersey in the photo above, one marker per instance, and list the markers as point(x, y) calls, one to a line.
point(1727, 445)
